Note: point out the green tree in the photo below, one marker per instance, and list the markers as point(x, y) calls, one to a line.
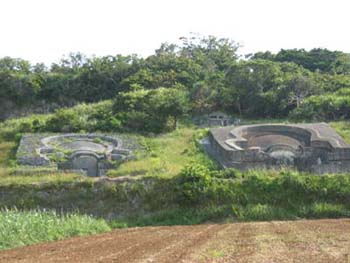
point(299, 88)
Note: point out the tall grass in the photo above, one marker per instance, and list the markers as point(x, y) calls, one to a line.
point(23, 228)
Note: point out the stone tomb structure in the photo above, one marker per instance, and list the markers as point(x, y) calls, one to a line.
point(214, 119)
point(313, 147)
point(93, 154)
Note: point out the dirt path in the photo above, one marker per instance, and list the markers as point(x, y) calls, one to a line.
point(289, 241)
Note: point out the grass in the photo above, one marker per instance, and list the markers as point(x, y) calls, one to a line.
point(217, 253)
point(19, 228)
point(343, 128)
point(6, 179)
point(180, 216)
point(9, 169)
point(7, 152)
point(256, 195)
point(266, 212)
point(165, 155)
point(235, 213)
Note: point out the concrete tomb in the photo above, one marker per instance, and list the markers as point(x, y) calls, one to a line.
point(92, 154)
point(214, 119)
point(306, 147)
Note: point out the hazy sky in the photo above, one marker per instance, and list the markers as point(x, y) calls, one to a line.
point(44, 30)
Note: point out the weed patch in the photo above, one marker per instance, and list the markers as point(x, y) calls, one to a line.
point(19, 228)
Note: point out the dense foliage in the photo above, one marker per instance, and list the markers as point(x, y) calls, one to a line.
point(202, 74)
point(317, 59)
point(266, 195)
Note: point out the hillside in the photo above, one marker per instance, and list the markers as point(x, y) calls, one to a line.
point(170, 182)
point(130, 133)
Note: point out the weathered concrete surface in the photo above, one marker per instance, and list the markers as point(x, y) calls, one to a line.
point(213, 119)
point(308, 147)
point(92, 153)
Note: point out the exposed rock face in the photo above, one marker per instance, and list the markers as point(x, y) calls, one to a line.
point(307, 147)
point(92, 153)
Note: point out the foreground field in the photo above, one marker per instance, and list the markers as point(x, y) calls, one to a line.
point(277, 241)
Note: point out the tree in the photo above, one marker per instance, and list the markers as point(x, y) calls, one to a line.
point(299, 88)
point(246, 84)
point(171, 102)
point(151, 110)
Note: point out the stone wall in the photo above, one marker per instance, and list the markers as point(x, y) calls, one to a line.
point(333, 167)
point(27, 152)
point(319, 149)
point(38, 149)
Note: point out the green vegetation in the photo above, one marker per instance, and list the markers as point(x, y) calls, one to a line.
point(266, 195)
point(171, 181)
point(201, 75)
point(151, 110)
point(166, 155)
point(174, 194)
point(316, 59)
point(23, 228)
point(342, 128)
point(8, 178)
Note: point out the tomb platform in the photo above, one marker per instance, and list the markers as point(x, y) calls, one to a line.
point(313, 147)
point(92, 154)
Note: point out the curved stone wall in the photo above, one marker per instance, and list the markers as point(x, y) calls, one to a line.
point(246, 132)
point(306, 147)
point(92, 153)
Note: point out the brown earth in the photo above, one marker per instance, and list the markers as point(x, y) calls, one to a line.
point(282, 241)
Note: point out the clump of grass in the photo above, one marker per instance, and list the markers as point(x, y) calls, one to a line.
point(342, 127)
point(19, 228)
point(7, 153)
point(328, 210)
point(97, 140)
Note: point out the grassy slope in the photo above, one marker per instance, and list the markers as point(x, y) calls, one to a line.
point(165, 156)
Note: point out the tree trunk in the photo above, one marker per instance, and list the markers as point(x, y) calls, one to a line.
point(175, 123)
point(239, 108)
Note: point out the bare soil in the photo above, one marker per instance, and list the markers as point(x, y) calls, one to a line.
point(279, 241)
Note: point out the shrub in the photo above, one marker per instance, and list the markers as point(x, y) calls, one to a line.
point(26, 127)
point(195, 182)
point(324, 107)
point(65, 121)
point(156, 110)
point(227, 173)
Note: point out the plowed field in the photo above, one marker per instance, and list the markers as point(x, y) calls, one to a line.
point(282, 241)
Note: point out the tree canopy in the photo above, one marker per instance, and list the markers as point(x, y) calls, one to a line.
point(200, 75)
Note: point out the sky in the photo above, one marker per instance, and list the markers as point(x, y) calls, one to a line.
point(45, 30)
